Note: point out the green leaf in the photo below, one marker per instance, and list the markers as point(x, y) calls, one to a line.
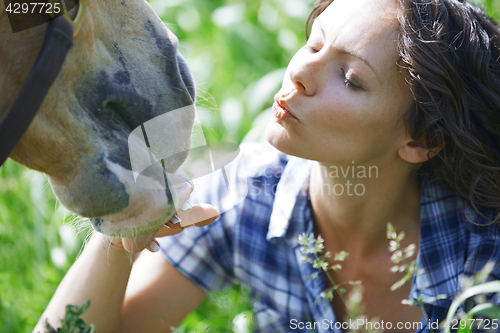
point(468, 325)
point(409, 250)
point(390, 231)
point(341, 256)
point(485, 288)
point(329, 294)
point(355, 283)
point(72, 323)
point(320, 239)
point(312, 276)
point(336, 267)
point(396, 257)
point(324, 266)
point(488, 310)
point(306, 259)
point(467, 329)
point(393, 245)
point(399, 283)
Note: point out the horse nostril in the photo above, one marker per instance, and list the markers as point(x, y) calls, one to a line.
point(116, 110)
point(127, 111)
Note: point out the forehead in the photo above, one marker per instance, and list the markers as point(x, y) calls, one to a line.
point(369, 28)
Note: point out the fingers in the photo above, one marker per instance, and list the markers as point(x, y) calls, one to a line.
point(153, 246)
point(169, 229)
point(199, 215)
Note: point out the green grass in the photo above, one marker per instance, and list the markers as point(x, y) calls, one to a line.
point(30, 225)
point(231, 66)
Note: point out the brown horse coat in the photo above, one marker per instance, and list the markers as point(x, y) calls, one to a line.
point(123, 70)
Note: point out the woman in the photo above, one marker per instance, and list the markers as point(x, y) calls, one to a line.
point(390, 113)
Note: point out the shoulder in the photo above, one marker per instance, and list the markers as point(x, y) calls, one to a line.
point(456, 242)
point(456, 238)
point(445, 209)
point(483, 239)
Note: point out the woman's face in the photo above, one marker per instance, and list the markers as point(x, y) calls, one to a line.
point(344, 88)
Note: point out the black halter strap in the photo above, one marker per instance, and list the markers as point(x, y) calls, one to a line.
point(56, 45)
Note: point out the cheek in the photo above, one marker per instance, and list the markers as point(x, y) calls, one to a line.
point(340, 111)
point(352, 121)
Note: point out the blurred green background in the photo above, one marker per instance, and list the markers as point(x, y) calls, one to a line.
point(237, 51)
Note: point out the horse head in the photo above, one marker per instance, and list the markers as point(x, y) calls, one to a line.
point(123, 70)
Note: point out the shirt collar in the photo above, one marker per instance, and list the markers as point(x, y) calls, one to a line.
point(294, 176)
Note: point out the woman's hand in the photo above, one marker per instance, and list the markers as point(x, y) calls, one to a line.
point(199, 215)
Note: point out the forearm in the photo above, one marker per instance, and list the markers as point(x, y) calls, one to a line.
point(100, 274)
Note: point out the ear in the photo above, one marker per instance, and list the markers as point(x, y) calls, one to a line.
point(417, 151)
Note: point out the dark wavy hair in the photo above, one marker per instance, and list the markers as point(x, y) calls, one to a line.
point(450, 53)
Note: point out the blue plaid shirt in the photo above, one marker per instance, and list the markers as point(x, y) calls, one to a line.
point(256, 243)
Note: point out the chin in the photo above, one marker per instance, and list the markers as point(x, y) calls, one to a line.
point(281, 139)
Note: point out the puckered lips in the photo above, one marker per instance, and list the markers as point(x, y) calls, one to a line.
point(281, 110)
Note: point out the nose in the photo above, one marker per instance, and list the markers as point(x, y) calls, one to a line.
point(305, 72)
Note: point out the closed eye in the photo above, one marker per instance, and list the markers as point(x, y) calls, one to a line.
point(348, 83)
point(312, 49)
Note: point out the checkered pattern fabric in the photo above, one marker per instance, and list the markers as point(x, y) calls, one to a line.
point(256, 244)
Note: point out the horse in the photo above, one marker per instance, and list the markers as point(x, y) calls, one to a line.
point(123, 70)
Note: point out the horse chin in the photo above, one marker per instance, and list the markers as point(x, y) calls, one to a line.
point(148, 209)
point(116, 203)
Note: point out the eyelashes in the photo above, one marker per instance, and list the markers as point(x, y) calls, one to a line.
point(311, 49)
point(348, 83)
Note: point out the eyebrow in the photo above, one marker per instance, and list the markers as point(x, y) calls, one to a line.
point(349, 52)
point(359, 57)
